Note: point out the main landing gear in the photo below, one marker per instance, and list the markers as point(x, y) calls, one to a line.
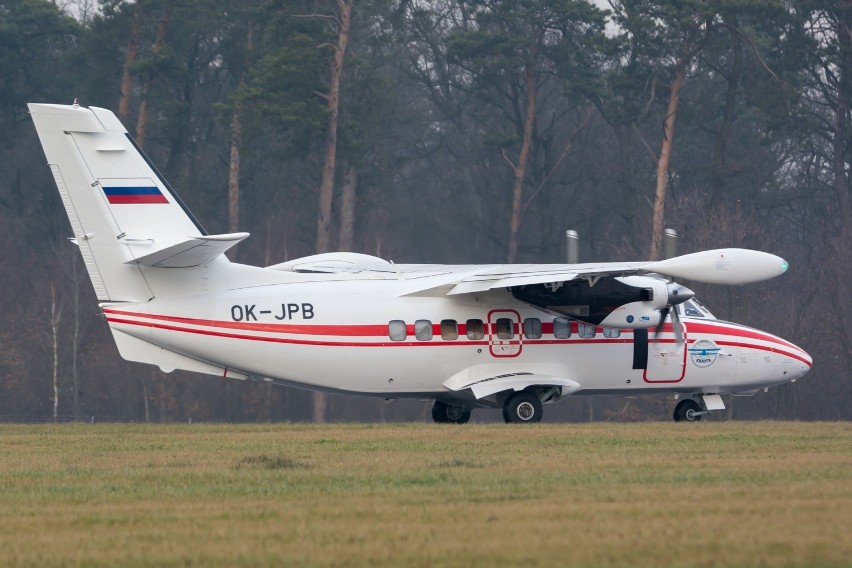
point(444, 413)
point(519, 408)
point(522, 408)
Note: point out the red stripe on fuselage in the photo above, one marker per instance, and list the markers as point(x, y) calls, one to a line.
point(296, 329)
point(719, 330)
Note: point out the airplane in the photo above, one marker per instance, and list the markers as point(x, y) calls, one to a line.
point(514, 337)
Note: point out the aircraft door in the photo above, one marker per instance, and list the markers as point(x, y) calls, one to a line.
point(504, 333)
point(666, 359)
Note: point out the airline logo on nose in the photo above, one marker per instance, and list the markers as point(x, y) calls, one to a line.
point(134, 195)
point(704, 352)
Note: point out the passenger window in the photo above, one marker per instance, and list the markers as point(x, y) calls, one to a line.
point(449, 329)
point(612, 332)
point(475, 329)
point(396, 330)
point(423, 330)
point(587, 331)
point(505, 328)
point(561, 328)
point(532, 328)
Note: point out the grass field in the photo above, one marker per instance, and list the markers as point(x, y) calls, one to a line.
point(654, 494)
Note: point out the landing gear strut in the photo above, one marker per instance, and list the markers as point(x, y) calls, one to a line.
point(688, 410)
point(522, 408)
point(444, 413)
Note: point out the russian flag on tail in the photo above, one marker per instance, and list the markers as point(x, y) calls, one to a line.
point(134, 195)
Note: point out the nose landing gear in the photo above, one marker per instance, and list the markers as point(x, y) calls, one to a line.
point(688, 410)
point(691, 410)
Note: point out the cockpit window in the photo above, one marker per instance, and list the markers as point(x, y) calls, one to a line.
point(690, 310)
point(695, 309)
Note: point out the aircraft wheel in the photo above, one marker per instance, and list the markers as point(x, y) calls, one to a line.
point(444, 413)
point(685, 411)
point(522, 408)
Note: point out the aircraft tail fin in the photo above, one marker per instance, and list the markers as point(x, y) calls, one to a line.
point(123, 213)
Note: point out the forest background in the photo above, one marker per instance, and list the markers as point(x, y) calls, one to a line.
point(447, 131)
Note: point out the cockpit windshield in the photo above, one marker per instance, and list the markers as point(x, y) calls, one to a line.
point(695, 309)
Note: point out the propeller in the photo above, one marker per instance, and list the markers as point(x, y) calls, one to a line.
point(677, 294)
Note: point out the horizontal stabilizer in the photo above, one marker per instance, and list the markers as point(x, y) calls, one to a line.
point(192, 252)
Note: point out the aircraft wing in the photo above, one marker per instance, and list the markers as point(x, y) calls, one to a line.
point(519, 275)
point(719, 266)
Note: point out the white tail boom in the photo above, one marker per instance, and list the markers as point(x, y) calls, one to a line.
point(123, 213)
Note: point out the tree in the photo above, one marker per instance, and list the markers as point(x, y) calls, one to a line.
point(509, 54)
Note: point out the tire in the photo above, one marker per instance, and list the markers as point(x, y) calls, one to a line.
point(444, 413)
point(522, 408)
point(685, 411)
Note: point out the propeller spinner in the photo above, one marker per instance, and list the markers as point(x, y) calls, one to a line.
point(677, 294)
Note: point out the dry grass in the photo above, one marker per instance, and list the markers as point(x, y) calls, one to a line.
point(714, 494)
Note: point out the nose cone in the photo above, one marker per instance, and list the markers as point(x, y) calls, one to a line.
point(795, 360)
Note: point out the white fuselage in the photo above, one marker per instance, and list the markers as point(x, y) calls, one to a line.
point(363, 336)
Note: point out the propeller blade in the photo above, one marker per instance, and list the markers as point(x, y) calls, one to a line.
point(678, 328)
point(664, 313)
point(677, 294)
point(722, 266)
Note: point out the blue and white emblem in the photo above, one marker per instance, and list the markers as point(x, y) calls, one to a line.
point(704, 352)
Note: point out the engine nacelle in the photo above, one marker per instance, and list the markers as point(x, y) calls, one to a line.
point(632, 316)
point(625, 302)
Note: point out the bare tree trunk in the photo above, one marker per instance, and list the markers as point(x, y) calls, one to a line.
point(347, 208)
point(129, 59)
point(145, 396)
point(840, 142)
point(234, 171)
point(236, 146)
point(326, 189)
point(520, 169)
point(720, 150)
point(142, 121)
point(663, 162)
point(55, 316)
point(840, 127)
point(75, 338)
